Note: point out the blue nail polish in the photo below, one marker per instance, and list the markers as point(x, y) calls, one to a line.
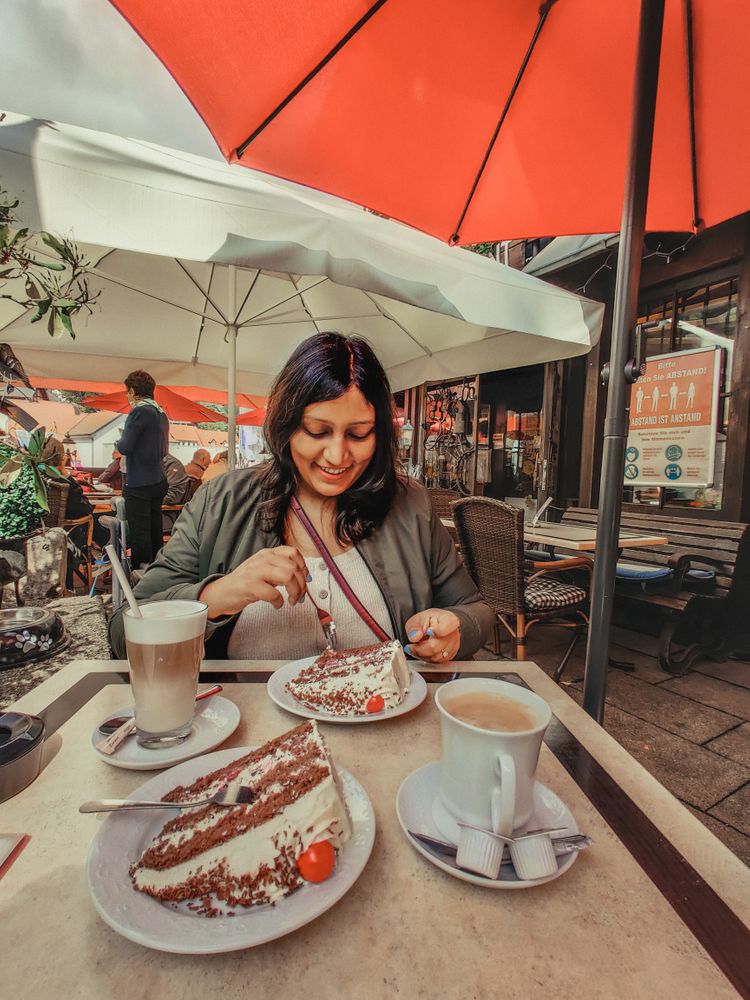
point(414, 633)
point(407, 650)
point(430, 632)
point(302, 599)
point(309, 577)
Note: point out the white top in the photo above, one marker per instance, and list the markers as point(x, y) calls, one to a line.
point(263, 633)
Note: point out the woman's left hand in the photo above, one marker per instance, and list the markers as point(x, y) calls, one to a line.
point(434, 635)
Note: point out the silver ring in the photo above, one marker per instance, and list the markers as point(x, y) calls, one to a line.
point(444, 654)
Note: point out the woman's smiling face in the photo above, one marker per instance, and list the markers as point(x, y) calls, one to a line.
point(334, 443)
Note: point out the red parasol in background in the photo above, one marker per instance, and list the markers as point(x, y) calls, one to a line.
point(175, 406)
point(254, 418)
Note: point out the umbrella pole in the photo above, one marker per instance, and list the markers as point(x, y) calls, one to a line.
point(232, 373)
point(623, 318)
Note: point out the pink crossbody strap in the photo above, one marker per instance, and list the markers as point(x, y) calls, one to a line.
point(351, 597)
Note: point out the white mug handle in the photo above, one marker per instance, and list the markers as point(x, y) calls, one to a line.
point(503, 796)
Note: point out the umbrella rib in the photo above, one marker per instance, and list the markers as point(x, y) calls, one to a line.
point(251, 319)
point(386, 315)
point(150, 295)
point(203, 318)
point(203, 292)
point(304, 305)
point(543, 12)
point(247, 296)
point(320, 319)
point(311, 75)
point(697, 221)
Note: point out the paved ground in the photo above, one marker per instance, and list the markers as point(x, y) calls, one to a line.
point(691, 732)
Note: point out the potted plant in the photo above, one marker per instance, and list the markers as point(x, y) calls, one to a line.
point(24, 471)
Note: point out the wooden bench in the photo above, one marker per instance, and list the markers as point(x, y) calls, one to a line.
point(697, 617)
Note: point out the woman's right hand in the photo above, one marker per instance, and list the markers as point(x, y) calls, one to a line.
point(257, 579)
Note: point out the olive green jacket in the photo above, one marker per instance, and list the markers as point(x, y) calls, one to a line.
point(411, 556)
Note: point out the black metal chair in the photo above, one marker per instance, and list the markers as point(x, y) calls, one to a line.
point(520, 592)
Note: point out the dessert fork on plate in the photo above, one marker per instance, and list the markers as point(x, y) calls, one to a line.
point(224, 797)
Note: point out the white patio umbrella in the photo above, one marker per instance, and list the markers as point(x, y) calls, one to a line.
point(162, 226)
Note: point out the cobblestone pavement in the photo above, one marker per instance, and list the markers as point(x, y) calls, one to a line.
point(691, 732)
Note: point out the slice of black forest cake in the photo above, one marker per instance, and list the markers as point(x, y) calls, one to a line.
point(246, 855)
point(354, 681)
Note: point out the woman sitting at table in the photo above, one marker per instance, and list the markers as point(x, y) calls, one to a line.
point(240, 546)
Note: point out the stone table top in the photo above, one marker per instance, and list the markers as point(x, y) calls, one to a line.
point(657, 907)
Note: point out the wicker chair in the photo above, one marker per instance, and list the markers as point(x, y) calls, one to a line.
point(57, 498)
point(520, 592)
point(441, 501)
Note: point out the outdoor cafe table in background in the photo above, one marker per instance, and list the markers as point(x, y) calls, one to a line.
point(656, 907)
point(575, 537)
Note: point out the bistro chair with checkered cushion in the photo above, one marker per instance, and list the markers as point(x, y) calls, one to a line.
point(522, 593)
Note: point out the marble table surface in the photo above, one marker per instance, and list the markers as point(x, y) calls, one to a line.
point(656, 907)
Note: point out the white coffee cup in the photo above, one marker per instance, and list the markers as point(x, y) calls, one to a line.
point(487, 776)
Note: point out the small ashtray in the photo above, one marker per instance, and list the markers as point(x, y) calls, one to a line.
point(480, 851)
point(533, 856)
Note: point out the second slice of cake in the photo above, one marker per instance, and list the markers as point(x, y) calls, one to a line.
point(354, 681)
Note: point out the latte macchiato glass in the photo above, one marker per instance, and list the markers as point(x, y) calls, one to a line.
point(165, 648)
point(491, 734)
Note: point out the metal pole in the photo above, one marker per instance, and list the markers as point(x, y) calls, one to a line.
point(232, 374)
point(623, 318)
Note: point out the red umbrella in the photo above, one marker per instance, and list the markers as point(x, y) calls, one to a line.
point(254, 418)
point(195, 392)
point(395, 104)
point(175, 406)
point(488, 120)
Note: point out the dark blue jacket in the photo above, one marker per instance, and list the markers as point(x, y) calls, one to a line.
point(144, 443)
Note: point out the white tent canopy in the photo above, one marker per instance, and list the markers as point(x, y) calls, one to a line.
point(164, 222)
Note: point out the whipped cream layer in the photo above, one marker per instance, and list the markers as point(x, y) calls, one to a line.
point(342, 683)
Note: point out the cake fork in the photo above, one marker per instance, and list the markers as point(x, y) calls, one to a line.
point(224, 797)
point(326, 623)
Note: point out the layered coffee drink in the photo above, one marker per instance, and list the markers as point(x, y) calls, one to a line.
point(491, 711)
point(165, 648)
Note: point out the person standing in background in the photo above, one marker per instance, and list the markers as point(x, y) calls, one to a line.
point(144, 443)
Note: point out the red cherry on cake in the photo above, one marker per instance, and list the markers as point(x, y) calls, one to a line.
point(375, 704)
point(317, 862)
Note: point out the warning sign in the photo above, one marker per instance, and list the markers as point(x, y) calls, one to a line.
point(673, 417)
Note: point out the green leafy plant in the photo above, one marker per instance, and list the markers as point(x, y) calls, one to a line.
point(51, 282)
point(20, 514)
point(36, 458)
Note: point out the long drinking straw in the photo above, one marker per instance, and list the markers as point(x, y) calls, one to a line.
point(120, 574)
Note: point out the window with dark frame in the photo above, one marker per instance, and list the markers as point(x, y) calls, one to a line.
point(692, 315)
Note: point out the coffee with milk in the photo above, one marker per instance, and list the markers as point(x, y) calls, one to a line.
point(165, 647)
point(494, 712)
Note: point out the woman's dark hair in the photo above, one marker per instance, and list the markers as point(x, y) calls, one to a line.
point(323, 367)
point(141, 383)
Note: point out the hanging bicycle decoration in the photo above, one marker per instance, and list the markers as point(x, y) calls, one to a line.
point(448, 450)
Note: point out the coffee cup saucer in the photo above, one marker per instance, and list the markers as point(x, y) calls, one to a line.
point(215, 722)
point(417, 812)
